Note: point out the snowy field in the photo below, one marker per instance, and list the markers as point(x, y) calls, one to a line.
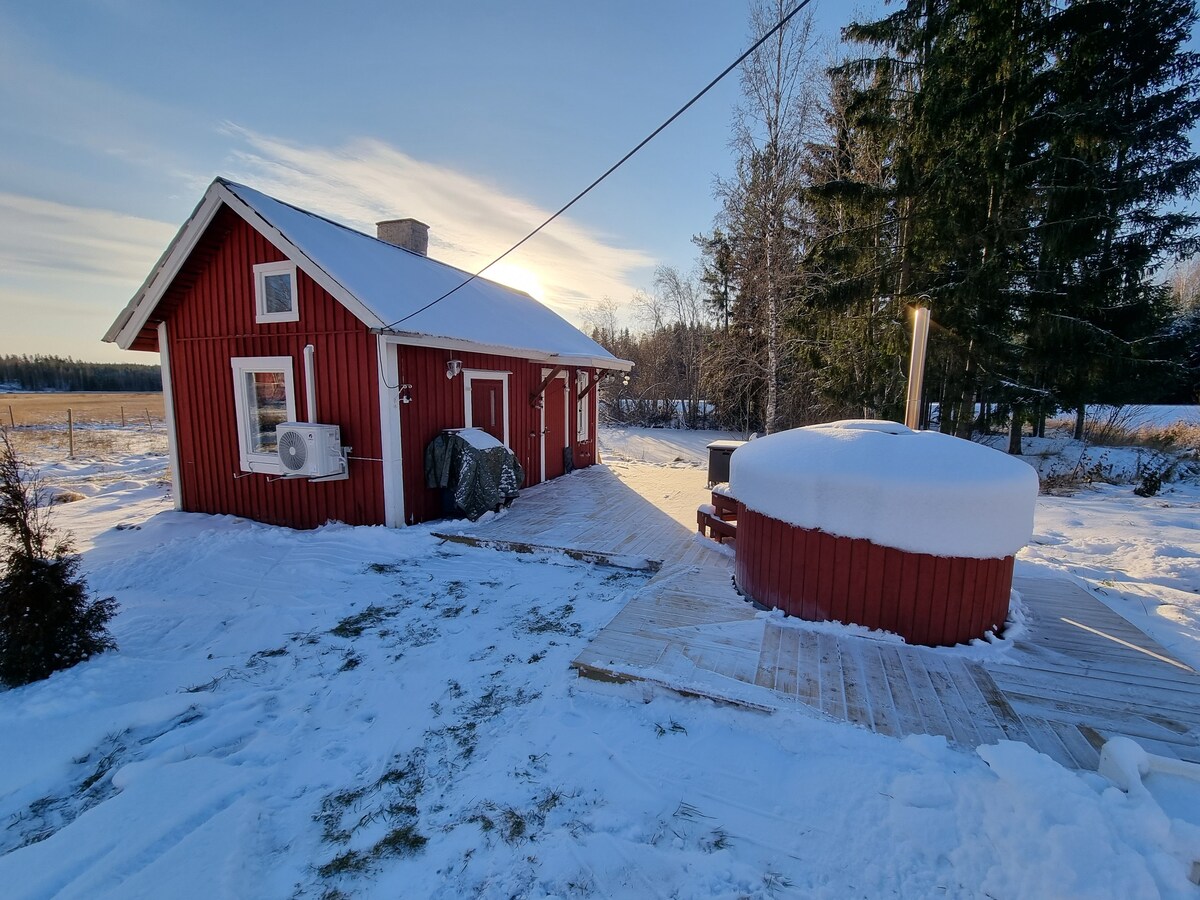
point(364, 712)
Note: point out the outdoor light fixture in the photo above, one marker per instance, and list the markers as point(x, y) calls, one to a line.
point(453, 367)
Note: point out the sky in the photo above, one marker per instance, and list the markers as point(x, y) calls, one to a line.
point(478, 118)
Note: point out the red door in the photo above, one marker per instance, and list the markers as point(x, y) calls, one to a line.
point(487, 406)
point(556, 427)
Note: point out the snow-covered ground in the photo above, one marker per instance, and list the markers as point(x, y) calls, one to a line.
point(372, 712)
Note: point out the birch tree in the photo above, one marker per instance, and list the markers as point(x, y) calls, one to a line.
point(763, 216)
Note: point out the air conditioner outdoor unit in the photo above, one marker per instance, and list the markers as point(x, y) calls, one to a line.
point(307, 450)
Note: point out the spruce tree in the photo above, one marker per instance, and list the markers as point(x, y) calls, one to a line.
point(47, 620)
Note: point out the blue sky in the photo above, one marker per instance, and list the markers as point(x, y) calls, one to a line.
point(478, 118)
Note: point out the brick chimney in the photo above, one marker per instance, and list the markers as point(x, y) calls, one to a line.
point(407, 233)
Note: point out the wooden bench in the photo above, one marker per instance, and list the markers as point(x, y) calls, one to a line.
point(718, 520)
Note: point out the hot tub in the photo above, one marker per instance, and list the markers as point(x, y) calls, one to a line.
point(871, 523)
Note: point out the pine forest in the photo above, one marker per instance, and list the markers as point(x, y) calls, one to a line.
point(1023, 169)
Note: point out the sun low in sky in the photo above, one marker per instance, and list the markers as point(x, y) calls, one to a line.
point(517, 277)
point(478, 121)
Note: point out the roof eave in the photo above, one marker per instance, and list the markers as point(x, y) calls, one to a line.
point(129, 323)
point(415, 339)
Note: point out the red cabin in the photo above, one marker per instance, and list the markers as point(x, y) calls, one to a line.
point(265, 314)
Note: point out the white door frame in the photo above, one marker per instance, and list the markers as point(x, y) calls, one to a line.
point(470, 375)
point(566, 414)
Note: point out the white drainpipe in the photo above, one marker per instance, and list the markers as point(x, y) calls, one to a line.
point(310, 384)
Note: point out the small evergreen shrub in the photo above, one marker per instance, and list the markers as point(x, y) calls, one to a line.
point(47, 620)
point(1150, 484)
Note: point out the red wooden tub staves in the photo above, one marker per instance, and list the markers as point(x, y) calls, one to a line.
point(807, 573)
point(870, 523)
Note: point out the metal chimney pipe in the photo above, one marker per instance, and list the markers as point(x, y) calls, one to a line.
point(916, 367)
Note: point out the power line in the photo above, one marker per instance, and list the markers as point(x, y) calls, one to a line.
point(651, 136)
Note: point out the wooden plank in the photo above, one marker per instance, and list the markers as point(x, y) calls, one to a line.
point(807, 655)
point(1126, 719)
point(721, 660)
point(1044, 739)
point(873, 586)
point(1132, 677)
point(1085, 756)
point(983, 716)
point(1074, 687)
point(927, 702)
point(858, 706)
point(906, 608)
point(884, 717)
point(1099, 704)
point(768, 657)
point(958, 713)
point(938, 600)
point(823, 603)
point(903, 700)
point(856, 601)
point(787, 671)
point(1010, 723)
point(832, 685)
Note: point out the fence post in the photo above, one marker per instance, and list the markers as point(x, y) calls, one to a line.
point(149, 424)
point(70, 434)
point(122, 417)
point(11, 423)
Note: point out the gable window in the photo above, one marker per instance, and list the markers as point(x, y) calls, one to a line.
point(583, 405)
point(275, 292)
point(264, 396)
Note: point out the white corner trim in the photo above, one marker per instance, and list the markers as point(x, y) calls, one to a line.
point(469, 375)
point(249, 460)
point(390, 424)
point(164, 358)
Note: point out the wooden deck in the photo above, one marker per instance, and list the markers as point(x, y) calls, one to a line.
point(1079, 675)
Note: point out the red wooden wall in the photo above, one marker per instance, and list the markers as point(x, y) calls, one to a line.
point(933, 600)
point(210, 315)
point(439, 402)
point(210, 319)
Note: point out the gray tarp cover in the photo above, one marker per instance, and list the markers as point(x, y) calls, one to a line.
point(480, 478)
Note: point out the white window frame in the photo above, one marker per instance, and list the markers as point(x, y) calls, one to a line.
point(583, 406)
point(261, 271)
point(242, 366)
point(470, 375)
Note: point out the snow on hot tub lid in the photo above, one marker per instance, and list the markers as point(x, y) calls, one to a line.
point(919, 491)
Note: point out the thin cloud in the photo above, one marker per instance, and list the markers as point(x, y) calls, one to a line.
point(65, 272)
point(471, 222)
point(44, 239)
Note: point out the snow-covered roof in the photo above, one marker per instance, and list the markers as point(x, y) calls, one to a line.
point(919, 491)
point(383, 285)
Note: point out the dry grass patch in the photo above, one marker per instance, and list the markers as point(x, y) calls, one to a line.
point(86, 408)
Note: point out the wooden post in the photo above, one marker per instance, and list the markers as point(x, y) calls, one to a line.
point(149, 424)
point(122, 417)
point(70, 434)
point(11, 423)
